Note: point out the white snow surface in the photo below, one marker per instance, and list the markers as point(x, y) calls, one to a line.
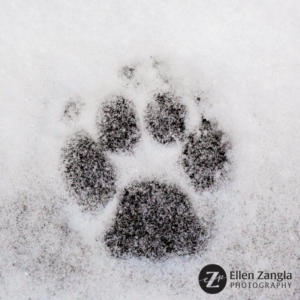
point(242, 55)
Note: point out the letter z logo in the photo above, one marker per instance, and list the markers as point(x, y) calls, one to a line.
point(212, 279)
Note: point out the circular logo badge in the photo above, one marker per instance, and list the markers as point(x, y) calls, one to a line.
point(212, 279)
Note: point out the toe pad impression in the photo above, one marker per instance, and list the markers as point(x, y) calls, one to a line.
point(88, 172)
point(117, 125)
point(165, 119)
point(203, 155)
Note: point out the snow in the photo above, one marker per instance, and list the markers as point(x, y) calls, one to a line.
point(244, 56)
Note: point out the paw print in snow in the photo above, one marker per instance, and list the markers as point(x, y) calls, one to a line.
point(155, 217)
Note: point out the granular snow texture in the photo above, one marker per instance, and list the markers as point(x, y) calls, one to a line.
point(66, 66)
